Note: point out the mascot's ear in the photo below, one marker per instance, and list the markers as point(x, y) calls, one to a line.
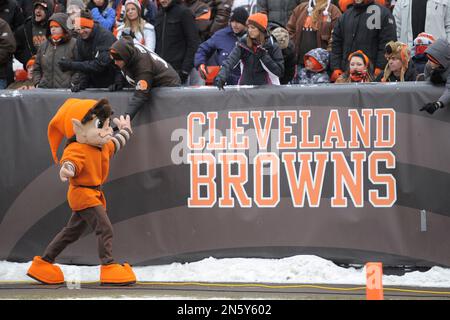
point(77, 126)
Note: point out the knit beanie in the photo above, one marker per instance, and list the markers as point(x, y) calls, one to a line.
point(259, 20)
point(240, 15)
point(422, 42)
point(61, 125)
point(136, 3)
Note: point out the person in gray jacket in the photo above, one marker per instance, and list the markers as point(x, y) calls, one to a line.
point(59, 45)
point(277, 10)
point(437, 70)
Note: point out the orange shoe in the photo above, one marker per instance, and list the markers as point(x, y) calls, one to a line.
point(129, 270)
point(45, 272)
point(116, 274)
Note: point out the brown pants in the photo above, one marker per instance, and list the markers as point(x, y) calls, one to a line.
point(94, 217)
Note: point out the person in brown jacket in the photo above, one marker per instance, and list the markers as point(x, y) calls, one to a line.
point(7, 48)
point(310, 27)
point(143, 69)
point(59, 45)
point(85, 123)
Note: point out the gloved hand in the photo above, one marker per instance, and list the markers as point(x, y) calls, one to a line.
point(183, 76)
point(75, 87)
point(67, 171)
point(432, 107)
point(219, 82)
point(377, 71)
point(260, 52)
point(203, 71)
point(65, 64)
point(115, 87)
point(336, 74)
point(123, 122)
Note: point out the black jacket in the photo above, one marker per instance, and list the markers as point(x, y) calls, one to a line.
point(290, 63)
point(11, 12)
point(410, 74)
point(144, 70)
point(256, 70)
point(177, 37)
point(93, 62)
point(356, 30)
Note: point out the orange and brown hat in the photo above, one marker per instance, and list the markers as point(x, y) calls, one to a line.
point(61, 125)
point(259, 20)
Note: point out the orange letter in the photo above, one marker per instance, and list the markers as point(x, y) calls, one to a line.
point(283, 129)
point(390, 141)
point(304, 182)
point(235, 130)
point(262, 135)
point(356, 127)
point(334, 130)
point(212, 144)
point(387, 179)
point(235, 182)
point(197, 180)
point(343, 175)
point(305, 143)
point(274, 162)
point(191, 131)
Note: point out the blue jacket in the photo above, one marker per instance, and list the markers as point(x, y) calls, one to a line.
point(106, 18)
point(215, 51)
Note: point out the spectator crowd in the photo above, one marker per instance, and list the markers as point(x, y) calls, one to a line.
point(80, 44)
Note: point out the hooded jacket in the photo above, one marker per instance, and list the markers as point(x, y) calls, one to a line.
point(355, 31)
point(254, 70)
point(32, 34)
point(440, 50)
point(7, 47)
point(306, 76)
point(46, 72)
point(144, 70)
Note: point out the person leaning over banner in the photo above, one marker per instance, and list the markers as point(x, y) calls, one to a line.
point(92, 62)
point(59, 45)
point(437, 70)
point(220, 46)
point(400, 67)
point(143, 69)
point(260, 56)
point(358, 69)
point(357, 29)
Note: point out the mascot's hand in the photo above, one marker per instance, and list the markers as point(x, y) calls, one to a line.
point(123, 122)
point(67, 171)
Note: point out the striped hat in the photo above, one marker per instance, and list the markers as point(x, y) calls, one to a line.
point(422, 42)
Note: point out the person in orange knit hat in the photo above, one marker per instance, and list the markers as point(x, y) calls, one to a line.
point(358, 69)
point(85, 123)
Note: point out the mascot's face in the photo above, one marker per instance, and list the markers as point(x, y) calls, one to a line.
point(95, 132)
point(95, 128)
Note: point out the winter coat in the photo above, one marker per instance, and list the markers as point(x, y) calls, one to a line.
point(144, 70)
point(324, 29)
point(306, 76)
point(255, 71)
point(440, 50)
point(420, 60)
point(277, 10)
point(7, 47)
point(105, 16)
point(410, 75)
point(147, 39)
point(202, 15)
point(46, 72)
point(11, 12)
point(351, 33)
point(32, 34)
point(220, 11)
point(437, 21)
point(177, 37)
point(93, 62)
point(219, 46)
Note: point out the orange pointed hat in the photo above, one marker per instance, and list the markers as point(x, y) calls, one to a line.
point(61, 125)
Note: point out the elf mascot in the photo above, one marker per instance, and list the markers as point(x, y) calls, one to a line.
point(90, 144)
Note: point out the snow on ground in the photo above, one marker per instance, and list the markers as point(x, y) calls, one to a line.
point(296, 269)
